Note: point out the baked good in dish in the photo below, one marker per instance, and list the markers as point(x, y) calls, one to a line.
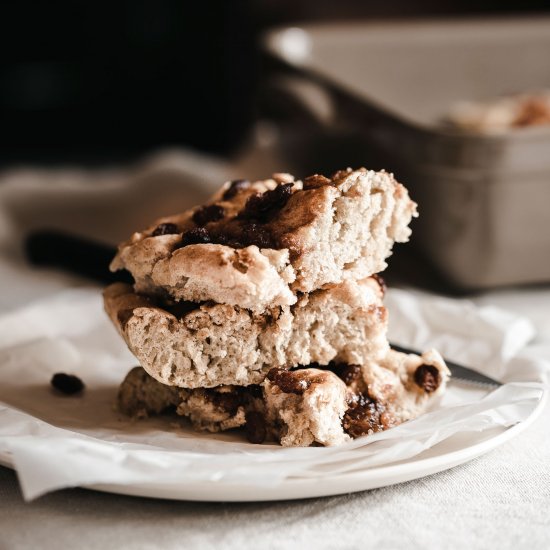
point(257, 245)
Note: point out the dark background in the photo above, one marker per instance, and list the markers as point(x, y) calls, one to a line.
point(109, 80)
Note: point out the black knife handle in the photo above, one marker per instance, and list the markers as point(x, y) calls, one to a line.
point(74, 254)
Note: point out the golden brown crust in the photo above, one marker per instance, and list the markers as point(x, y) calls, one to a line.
point(295, 240)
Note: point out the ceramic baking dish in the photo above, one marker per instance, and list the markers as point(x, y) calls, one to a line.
point(484, 200)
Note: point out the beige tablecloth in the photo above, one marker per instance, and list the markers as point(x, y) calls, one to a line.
point(501, 500)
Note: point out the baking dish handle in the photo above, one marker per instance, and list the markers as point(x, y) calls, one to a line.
point(298, 99)
point(312, 105)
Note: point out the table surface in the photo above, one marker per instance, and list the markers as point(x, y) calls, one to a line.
point(500, 500)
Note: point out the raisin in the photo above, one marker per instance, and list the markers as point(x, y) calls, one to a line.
point(427, 377)
point(234, 187)
point(248, 234)
point(365, 416)
point(289, 382)
point(317, 180)
point(165, 229)
point(67, 383)
point(255, 427)
point(258, 235)
point(197, 235)
point(263, 206)
point(348, 373)
point(273, 373)
point(210, 213)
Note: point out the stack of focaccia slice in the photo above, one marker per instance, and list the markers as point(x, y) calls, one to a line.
point(263, 309)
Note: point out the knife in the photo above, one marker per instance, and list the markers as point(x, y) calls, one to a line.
point(74, 254)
